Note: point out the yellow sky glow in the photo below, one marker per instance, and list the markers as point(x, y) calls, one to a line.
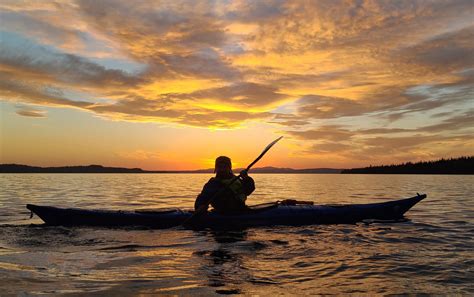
point(176, 85)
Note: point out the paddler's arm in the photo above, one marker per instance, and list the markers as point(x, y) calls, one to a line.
point(200, 200)
point(248, 184)
point(207, 193)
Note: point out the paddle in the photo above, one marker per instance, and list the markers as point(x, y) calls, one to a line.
point(203, 208)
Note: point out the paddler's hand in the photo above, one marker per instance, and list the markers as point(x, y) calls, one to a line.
point(244, 173)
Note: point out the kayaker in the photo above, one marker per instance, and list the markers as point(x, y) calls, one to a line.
point(233, 198)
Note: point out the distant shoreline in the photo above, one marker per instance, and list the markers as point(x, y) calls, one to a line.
point(18, 168)
point(455, 166)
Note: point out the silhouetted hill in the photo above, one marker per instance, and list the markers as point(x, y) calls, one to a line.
point(462, 165)
point(17, 168)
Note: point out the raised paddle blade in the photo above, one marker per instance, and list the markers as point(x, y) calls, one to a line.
point(264, 151)
point(272, 143)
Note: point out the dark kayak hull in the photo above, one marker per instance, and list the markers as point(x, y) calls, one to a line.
point(274, 214)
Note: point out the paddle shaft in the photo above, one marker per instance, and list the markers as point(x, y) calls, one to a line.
point(204, 207)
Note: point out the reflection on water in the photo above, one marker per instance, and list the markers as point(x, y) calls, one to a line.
point(221, 265)
point(430, 252)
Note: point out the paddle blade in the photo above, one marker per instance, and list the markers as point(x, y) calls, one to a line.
point(264, 151)
point(272, 143)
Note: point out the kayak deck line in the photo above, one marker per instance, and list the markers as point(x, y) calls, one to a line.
point(266, 214)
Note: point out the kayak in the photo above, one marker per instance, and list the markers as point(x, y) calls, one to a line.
point(269, 214)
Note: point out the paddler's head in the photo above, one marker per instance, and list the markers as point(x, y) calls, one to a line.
point(223, 167)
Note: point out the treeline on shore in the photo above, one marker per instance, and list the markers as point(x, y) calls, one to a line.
point(461, 165)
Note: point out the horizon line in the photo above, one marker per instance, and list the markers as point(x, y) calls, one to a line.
point(163, 170)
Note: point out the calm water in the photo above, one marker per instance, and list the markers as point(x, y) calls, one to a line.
point(431, 252)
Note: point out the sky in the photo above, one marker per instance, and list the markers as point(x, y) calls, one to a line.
point(174, 84)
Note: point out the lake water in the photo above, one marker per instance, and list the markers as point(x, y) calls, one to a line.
point(431, 252)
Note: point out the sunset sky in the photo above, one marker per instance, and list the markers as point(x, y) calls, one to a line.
point(174, 84)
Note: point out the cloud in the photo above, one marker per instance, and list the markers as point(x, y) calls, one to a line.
point(30, 61)
point(291, 123)
point(168, 27)
point(450, 136)
point(329, 132)
point(17, 91)
point(392, 102)
point(204, 64)
point(241, 94)
point(302, 26)
point(244, 60)
point(223, 119)
point(442, 53)
point(31, 112)
point(134, 109)
point(460, 122)
point(250, 11)
point(289, 120)
point(141, 109)
point(314, 106)
point(381, 147)
point(456, 123)
point(44, 31)
point(329, 147)
point(387, 148)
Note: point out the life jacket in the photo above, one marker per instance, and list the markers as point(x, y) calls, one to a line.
point(236, 188)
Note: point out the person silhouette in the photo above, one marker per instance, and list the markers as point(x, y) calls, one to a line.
point(230, 198)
